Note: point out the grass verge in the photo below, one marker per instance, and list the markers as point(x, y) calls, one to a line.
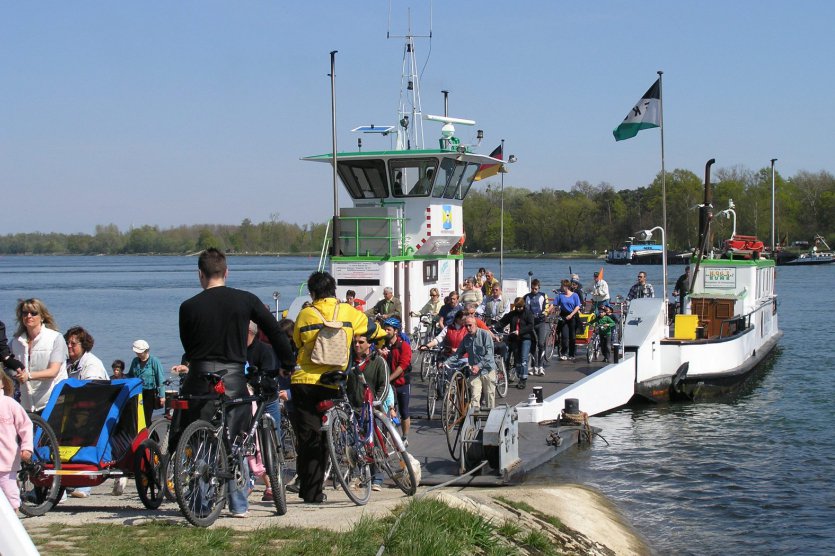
point(426, 527)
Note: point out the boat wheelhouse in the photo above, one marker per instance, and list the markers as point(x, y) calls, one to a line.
point(405, 228)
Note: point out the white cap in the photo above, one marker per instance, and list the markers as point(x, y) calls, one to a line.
point(140, 346)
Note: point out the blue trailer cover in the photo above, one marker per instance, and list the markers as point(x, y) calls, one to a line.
point(86, 414)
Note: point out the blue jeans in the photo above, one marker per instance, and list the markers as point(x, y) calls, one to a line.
point(273, 409)
point(238, 502)
point(522, 352)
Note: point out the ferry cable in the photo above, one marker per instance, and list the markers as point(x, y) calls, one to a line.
point(388, 535)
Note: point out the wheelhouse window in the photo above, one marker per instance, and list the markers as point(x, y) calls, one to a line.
point(364, 179)
point(412, 177)
point(454, 179)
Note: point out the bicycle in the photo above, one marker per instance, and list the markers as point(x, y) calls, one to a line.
point(553, 339)
point(593, 347)
point(206, 460)
point(358, 438)
point(501, 376)
point(435, 388)
point(158, 431)
point(421, 335)
point(40, 491)
point(456, 403)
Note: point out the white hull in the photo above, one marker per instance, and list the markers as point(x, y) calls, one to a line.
point(658, 368)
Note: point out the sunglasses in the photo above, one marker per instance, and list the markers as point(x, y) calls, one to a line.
point(29, 313)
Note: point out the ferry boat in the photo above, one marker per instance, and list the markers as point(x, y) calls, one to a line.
point(730, 325)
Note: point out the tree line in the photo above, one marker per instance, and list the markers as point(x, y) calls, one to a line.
point(597, 217)
point(585, 218)
point(269, 237)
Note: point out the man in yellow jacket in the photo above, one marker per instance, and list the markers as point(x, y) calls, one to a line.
point(306, 388)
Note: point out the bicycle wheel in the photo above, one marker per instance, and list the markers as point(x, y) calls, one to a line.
point(273, 463)
point(456, 403)
point(501, 377)
point(147, 472)
point(348, 456)
point(591, 349)
point(550, 344)
point(168, 478)
point(431, 396)
point(201, 471)
point(426, 363)
point(158, 432)
point(392, 459)
point(39, 492)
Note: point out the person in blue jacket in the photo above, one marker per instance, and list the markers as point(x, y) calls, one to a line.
point(148, 368)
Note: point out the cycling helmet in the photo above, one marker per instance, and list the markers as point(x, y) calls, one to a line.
point(394, 322)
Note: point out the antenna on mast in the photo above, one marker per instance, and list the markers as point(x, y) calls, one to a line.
point(409, 111)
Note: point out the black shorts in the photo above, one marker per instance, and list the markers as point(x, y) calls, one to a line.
point(402, 395)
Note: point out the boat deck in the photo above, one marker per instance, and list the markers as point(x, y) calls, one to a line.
point(427, 441)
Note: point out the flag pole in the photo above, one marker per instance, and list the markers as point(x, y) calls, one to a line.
point(335, 230)
point(663, 172)
point(501, 227)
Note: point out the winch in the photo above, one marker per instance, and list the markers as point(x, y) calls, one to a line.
point(491, 436)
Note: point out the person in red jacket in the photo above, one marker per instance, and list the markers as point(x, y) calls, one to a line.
point(398, 354)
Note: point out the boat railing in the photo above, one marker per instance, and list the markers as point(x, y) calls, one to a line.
point(738, 323)
point(324, 253)
point(372, 236)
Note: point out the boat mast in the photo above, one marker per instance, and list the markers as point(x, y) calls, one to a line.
point(409, 113)
point(773, 241)
point(705, 218)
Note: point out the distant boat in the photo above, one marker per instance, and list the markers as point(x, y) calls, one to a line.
point(643, 252)
point(814, 256)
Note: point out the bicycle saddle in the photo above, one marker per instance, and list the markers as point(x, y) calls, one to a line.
point(332, 378)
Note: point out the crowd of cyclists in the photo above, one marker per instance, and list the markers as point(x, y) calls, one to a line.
point(474, 329)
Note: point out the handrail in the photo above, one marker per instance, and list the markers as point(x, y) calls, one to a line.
point(746, 318)
point(324, 246)
point(390, 237)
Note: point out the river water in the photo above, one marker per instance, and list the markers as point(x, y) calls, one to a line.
point(753, 475)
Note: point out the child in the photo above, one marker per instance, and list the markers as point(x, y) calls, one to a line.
point(14, 424)
point(118, 367)
point(605, 325)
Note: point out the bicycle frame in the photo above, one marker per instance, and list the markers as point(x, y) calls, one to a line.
point(236, 449)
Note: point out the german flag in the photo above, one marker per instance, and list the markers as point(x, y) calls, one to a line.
point(487, 170)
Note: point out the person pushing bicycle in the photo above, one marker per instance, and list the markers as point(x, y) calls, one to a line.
point(213, 330)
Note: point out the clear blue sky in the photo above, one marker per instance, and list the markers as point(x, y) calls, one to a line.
point(168, 113)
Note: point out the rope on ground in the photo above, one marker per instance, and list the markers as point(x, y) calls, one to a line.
point(389, 535)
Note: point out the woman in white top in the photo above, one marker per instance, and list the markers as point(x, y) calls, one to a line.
point(42, 350)
point(82, 364)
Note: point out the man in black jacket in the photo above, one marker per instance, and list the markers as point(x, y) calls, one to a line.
point(213, 330)
point(520, 336)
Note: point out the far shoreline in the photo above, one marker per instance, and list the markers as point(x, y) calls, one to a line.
point(515, 255)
